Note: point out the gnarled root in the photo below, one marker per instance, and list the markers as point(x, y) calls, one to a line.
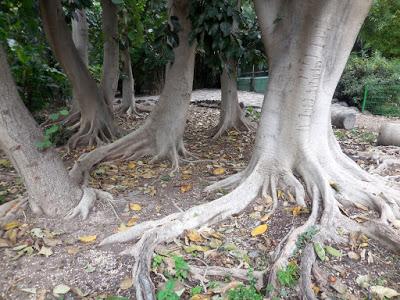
point(240, 124)
point(142, 142)
point(87, 202)
point(94, 131)
point(326, 216)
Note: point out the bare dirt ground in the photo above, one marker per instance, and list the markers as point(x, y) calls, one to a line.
point(38, 254)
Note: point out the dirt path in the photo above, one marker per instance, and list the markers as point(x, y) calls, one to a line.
point(365, 121)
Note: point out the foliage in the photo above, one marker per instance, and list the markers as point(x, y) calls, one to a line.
point(381, 30)
point(196, 290)
point(181, 267)
point(366, 70)
point(288, 276)
point(168, 293)
point(55, 133)
point(306, 237)
point(225, 32)
point(245, 292)
point(36, 73)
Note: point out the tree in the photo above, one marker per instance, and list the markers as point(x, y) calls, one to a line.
point(308, 43)
point(50, 189)
point(96, 124)
point(109, 78)
point(162, 133)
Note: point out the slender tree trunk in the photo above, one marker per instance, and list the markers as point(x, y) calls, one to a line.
point(96, 122)
point(308, 43)
point(231, 115)
point(80, 36)
point(109, 80)
point(128, 84)
point(162, 134)
point(49, 187)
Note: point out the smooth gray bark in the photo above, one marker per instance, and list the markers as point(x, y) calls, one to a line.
point(49, 187)
point(109, 80)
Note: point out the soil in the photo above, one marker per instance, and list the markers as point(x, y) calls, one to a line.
point(94, 272)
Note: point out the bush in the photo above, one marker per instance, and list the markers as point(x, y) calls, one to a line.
point(363, 70)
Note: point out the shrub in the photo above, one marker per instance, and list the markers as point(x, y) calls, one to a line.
point(363, 70)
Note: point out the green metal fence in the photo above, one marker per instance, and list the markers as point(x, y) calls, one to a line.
point(253, 82)
point(382, 99)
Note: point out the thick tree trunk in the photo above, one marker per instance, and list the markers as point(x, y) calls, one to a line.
point(128, 84)
point(109, 80)
point(162, 134)
point(389, 135)
point(96, 122)
point(231, 115)
point(49, 187)
point(308, 43)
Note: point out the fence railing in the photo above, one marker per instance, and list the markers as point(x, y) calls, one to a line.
point(382, 99)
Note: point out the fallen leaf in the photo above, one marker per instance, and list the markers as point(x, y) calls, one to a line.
point(200, 297)
point(194, 248)
point(89, 268)
point(37, 232)
point(29, 290)
point(360, 206)
point(186, 187)
point(12, 235)
point(45, 251)
point(218, 171)
point(135, 207)
point(132, 165)
point(132, 221)
point(353, 255)
point(383, 292)
point(332, 251)
point(122, 227)
point(61, 289)
point(296, 211)
point(363, 281)
point(73, 250)
point(194, 236)
point(126, 283)
point(319, 250)
point(11, 225)
point(88, 238)
point(4, 243)
point(259, 230)
point(265, 218)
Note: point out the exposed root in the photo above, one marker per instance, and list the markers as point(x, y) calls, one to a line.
point(92, 132)
point(137, 144)
point(325, 217)
point(241, 124)
point(201, 272)
point(9, 209)
point(87, 202)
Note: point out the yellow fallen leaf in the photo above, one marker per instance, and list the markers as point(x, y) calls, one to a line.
point(194, 236)
point(296, 211)
point(11, 225)
point(219, 171)
point(200, 297)
point(88, 238)
point(259, 230)
point(135, 207)
point(186, 187)
point(132, 221)
point(126, 283)
point(132, 165)
point(280, 194)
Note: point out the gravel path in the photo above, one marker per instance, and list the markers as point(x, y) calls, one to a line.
point(366, 121)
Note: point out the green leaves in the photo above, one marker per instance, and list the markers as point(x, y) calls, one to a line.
point(117, 2)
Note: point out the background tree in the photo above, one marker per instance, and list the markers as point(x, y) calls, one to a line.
point(96, 121)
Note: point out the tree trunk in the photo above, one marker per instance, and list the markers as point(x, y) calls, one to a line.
point(389, 135)
point(96, 122)
point(49, 187)
point(80, 36)
point(162, 133)
point(128, 84)
point(109, 80)
point(231, 115)
point(308, 43)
